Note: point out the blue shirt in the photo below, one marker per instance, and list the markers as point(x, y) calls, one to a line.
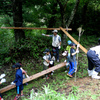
point(18, 77)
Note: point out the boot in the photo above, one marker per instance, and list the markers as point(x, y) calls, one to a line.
point(95, 75)
point(90, 72)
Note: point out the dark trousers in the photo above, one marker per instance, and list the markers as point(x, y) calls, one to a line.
point(57, 52)
point(93, 60)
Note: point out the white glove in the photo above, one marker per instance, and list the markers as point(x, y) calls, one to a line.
point(53, 58)
point(27, 76)
point(51, 62)
point(64, 53)
point(44, 57)
point(67, 64)
point(78, 45)
point(2, 75)
point(12, 83)
point(3, 80)
point(65, 61)
point(43, 34)
point(59, 47)
point(77, 51)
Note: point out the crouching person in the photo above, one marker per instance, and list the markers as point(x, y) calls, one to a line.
point(18, 81)
point(93, 56)
point(47, 58)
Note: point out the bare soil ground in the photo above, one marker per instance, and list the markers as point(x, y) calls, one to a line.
point(89, 88)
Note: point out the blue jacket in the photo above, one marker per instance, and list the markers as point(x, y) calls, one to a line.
point(19, 77)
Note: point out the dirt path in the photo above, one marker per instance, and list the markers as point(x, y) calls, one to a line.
point(86, 85)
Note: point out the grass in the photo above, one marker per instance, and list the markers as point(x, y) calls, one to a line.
point(57, 81)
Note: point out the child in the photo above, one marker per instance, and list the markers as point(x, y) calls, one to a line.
point(47, 59)
point(1, 98)
point(68, 55)
point(2, 81)
point(73, 65)
point(18, 80)
point(23, 72)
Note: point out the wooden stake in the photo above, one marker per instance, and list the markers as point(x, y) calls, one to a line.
point(9, 87)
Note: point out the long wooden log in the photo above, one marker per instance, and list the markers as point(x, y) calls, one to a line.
point(9, 87)
point(81, 47)
point(34, 28)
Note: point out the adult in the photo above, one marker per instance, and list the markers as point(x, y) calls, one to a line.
point(56, 43)
point(93, 56)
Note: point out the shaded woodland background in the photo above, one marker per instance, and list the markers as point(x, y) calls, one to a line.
point(43, 13)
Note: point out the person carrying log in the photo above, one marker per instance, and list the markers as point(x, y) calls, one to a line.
point(2, 81)
point(19, 81)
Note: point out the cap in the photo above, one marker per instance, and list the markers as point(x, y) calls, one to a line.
point(69, 42)
point(46, 50)
point(54, 31)
point(18, 65)
point(72, 44)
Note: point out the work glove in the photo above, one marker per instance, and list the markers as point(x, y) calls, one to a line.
point(2, 75)
point(51, 62)
point(43, 34)
point(3, 80)
point(65, 61)
point(64, 53)
point(77, 51)
point(59, 47)
point(53, 58)
point(12, 83)
point(27, 76)
point(78, 45)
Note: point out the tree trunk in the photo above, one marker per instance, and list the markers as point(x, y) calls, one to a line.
point(63, 21)
point(73, 12)
point(18, 19)
point(52, 20)
point(84, 12)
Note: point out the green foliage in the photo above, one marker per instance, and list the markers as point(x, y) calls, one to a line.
point(47, 94)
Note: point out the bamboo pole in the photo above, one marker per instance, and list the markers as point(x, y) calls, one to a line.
point(9, 87)
point(81, 47)
point(34, 28)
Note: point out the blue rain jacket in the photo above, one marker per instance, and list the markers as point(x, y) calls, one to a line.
point(19, 77)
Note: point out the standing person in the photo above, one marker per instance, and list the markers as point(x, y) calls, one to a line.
point(18, 80)
point(2, 81)
point(23, 71)
point(1, 97)
point(56, 43)
point(68, 55)
point(93, 56)
point(47, 59)
point(73, 63)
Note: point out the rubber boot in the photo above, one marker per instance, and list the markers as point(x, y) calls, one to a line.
point(90, 72)
point(95, 75)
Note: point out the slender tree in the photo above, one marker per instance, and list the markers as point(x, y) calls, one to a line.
point(73, 13)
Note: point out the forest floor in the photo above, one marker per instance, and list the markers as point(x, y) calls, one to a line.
point(88, 88)
point(84, 87)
